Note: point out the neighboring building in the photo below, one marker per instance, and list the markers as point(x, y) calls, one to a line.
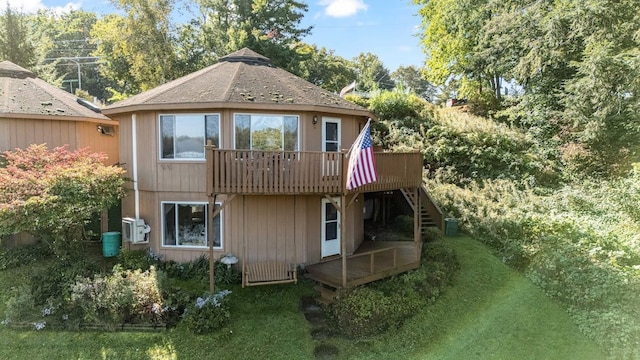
point(33, 111)
point(275, 172)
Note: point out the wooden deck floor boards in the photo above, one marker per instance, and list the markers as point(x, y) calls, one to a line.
point(359, 266)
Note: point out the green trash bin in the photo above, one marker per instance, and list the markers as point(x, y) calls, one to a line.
point(450, 227)
point(111, 243)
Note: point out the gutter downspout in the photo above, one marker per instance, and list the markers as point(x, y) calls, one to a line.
point(134, 154)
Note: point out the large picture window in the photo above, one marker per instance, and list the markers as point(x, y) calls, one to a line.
point(186, 224)
point(266, 132)
point(183, 136)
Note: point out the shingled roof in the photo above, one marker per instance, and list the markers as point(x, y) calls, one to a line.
point(23, 95)
point(241, 80)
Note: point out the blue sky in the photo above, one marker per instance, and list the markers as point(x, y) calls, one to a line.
point(385, 28)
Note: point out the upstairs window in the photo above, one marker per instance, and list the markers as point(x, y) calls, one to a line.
point(266, 132)
point(183, 136)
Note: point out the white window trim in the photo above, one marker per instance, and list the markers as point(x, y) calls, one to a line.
point(206, 204)
point(174, 145)
point(251, 133)
point(325, 120)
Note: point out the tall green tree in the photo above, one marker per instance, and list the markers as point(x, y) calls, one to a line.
point(410, 78)
point(576, 63)
point(64, 39)
point(325, 69)
point(453, 39)
point(15, 39)
point(371, 73)
point(270, 27)
point(138, 50)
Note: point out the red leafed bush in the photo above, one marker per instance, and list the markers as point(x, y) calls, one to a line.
point(52, 193)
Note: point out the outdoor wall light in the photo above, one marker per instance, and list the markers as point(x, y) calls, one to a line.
point(314, 120)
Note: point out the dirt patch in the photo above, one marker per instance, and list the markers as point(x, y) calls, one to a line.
point(325, 352)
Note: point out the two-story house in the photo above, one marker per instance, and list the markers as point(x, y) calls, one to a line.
point(270, 187)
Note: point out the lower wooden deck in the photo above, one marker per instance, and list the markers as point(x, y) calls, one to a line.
point(373, 260)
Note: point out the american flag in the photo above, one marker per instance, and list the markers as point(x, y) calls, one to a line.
point(362, 164)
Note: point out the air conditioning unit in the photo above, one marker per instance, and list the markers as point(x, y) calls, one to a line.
point(134, 231)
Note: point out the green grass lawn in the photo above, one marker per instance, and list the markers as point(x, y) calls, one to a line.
point(490, 312)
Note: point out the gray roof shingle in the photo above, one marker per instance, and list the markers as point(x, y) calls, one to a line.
point(237, 80)
point(22, 94)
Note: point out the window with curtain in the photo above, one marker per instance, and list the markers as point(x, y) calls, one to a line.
point(183, 136)
point(186, 224)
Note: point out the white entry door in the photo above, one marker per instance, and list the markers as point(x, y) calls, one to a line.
point(330, 228)
point(331, 143)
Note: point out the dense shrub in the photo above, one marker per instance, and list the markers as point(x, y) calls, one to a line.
point(138, 259)
point(126, 296)
point(20, 306)
point(54, 280)
point(226, 275)
point(22, 255)
point(385, 304)
point(364, 311)
point(389, 105)
point(482, 149)
point(579, 243)
point(197, 269)
point(208, 313)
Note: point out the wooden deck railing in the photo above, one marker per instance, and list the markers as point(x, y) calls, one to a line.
point(372, 257)
point(297, 172)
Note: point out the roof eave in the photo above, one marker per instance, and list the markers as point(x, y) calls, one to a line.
point(232, 105)
point(97, 120)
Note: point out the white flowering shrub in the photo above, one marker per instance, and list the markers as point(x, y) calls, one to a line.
point(126, 296)
point(208, 313)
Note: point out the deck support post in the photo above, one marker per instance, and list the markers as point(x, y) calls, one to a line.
point(211, 238)
point(417, 222)
point(343, 237)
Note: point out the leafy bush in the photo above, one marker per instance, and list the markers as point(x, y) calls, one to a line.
point(197, 269)
point(20, 306)
point(126, 296)
point(389, 105)
point(138, 259)
point(226, 275)
point(208, 313)
point(363, 311)
point(53, 281)
point(22, 255)
point(579, 243)
point(372, 309)
point(431, 234)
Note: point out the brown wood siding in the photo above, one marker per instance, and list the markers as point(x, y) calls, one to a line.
point(146, 124)
point(124, 148)
point(275, 227)
point(20, 133)
point(4, 135)
point(88, 136)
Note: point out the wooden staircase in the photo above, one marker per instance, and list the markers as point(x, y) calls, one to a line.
point(430, 213)
point(327, 294)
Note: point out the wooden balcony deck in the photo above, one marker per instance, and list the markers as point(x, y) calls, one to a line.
point(297, 172)
point(373, 260)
